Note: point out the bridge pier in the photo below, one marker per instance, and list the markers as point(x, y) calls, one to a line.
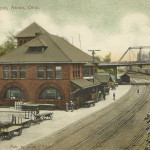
point(115, 72)
point(140, 66)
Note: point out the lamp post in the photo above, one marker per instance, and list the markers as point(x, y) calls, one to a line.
point(93, 52)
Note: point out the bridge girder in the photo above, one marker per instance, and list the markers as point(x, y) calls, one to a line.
point(136, 47)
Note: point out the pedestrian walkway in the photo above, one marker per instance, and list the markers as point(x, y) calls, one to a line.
point(61, 120)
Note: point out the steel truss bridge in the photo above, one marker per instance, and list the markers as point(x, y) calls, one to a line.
point(120, 63)
point(106, 65)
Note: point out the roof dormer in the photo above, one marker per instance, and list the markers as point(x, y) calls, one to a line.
point(29, 33)
point(37, 45)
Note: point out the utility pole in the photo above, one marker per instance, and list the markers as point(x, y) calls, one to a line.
point(80, 41)
point(93, 52)
point(72, 39)
point(140, 52)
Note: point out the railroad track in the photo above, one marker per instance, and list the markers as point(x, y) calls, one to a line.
point(107, 136)
point(125, 98)
point(93, 119)
point(120, 126)
point(136, 138)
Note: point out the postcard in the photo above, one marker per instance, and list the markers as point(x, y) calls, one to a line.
point(74, 74)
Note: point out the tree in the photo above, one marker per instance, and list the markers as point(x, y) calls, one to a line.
point(7, 46)
point(108, 57)
point(97, 58)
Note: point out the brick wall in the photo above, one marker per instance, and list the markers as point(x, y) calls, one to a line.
point(23, 40)
point(32, 86)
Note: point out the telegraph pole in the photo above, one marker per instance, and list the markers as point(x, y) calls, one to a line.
point(80, 41)
point(93, 52)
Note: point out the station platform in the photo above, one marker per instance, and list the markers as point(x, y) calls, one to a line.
point(61, 119)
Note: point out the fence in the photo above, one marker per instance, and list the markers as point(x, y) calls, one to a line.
point(16, 116)
point(18, 105)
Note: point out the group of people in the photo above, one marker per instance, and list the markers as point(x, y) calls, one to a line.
point(70, 106)
point(114, 95)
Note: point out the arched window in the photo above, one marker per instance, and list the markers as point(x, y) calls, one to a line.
point(50, 93)
point(15, 93)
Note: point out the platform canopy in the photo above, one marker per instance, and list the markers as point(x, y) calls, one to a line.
point(83, 83)
point(103, 78)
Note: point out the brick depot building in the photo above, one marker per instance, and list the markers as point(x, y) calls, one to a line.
point(45, 68)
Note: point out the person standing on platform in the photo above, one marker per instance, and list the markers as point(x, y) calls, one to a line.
point(114, 95)
point(72, 106)
point(67, 106)
point(104, 95)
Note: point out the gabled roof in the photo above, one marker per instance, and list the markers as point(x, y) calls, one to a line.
point(124, 75)
point(38, 42)
point(31, 31)
point(103, 78)
point(57, 50)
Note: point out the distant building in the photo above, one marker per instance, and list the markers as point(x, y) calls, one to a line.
point(125, 78)
point(104, 79)
point(45, 68)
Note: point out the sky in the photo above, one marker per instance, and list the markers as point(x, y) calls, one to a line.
point(106, 25)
